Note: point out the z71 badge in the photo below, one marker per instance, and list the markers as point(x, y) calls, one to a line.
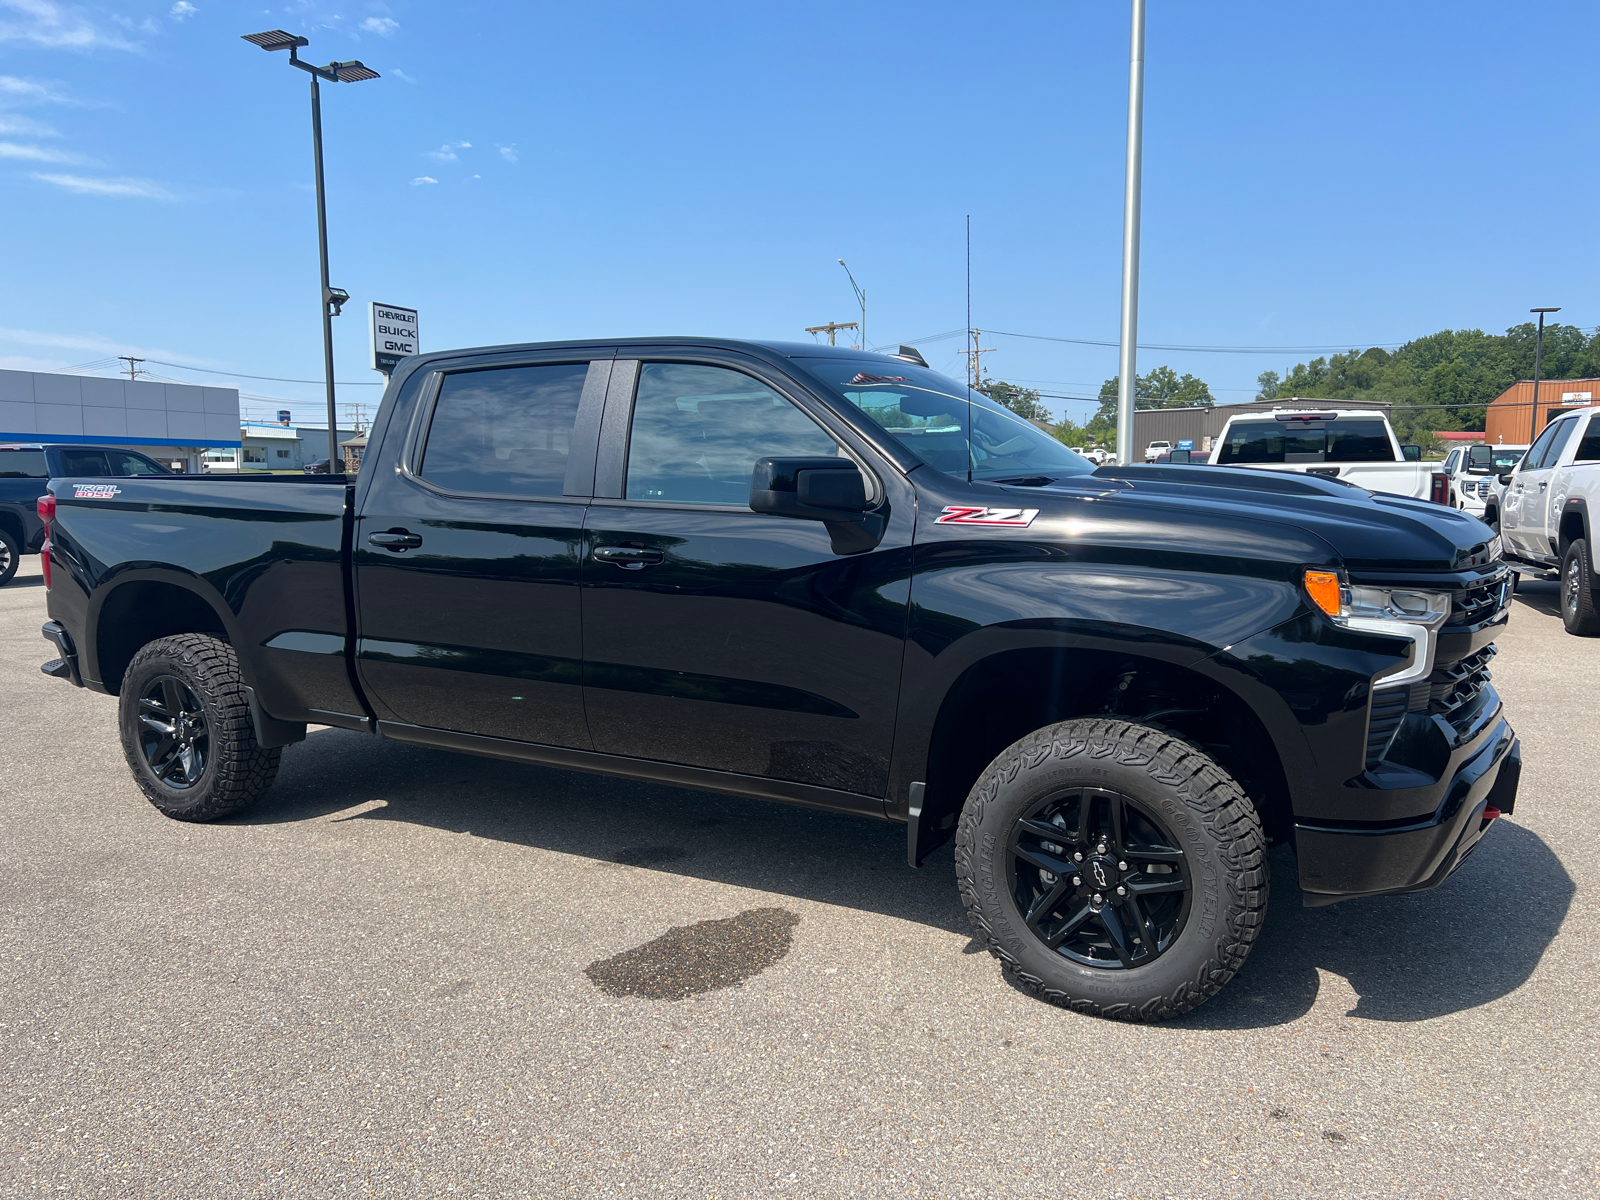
point(95, 491)
point(962, 514)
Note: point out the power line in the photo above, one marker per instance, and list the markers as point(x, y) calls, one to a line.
point(268, 378)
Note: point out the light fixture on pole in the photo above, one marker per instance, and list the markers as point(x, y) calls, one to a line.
point(333, 299)
point(1127, 370)
point(862, 298)
point(1538, 361)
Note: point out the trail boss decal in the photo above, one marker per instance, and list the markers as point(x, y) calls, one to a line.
point(962, 514)
point(95, 491)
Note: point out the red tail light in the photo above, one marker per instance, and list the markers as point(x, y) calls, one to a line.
point(47, 508)
point(1440, 492)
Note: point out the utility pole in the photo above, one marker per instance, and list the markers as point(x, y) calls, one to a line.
point(831, 328)
point(134, 372)
point(1127, 370)
point(974, 369)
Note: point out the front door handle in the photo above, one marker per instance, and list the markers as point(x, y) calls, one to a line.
point(629, 558)
point(396, 541)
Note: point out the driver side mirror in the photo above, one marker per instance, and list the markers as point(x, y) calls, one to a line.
point(829, 490)
point(1506, 478)
point(1411, 453)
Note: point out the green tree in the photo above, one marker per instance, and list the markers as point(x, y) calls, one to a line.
point(1023, 401)
point(1267, 382)
point(1071, 433)
point(1162, 388)
point(1446, 379)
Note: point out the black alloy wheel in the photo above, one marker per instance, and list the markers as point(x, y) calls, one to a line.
point(173, 734)
point(1099, 879)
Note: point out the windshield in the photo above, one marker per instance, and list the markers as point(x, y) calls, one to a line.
point(1501, 458)
point(1338, 440)
point(929, 415)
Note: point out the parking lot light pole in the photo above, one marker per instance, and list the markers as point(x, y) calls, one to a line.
point(1127, 369)
point(333, 299)
point(1538, 361)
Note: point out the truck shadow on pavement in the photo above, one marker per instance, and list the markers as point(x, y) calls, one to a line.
point(1407, 958)
point(1541, 595)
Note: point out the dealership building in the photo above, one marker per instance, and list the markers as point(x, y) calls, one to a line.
point(175, 423)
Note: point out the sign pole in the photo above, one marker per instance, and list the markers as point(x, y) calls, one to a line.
point(1127, 373)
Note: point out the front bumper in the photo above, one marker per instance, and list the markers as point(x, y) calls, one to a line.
point(1342, 861)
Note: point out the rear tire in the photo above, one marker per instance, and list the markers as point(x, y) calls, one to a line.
point(1148, 914)
point(10, 556)
point(1579, 612)
point(186, 731)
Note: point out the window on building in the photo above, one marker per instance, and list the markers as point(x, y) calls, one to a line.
point(255, 454)
point(283, 454)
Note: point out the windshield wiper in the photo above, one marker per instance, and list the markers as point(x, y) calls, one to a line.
point(1025, 480)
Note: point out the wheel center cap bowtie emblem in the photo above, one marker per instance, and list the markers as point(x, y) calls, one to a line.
point(1101, 875)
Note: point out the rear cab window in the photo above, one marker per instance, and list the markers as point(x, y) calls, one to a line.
point(1589, 447)
point(23, 464)
point(1335, 440)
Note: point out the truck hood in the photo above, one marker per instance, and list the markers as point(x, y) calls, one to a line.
point(1365, 531)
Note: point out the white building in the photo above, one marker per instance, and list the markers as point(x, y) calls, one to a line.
point(272, 447)
point(172, 422)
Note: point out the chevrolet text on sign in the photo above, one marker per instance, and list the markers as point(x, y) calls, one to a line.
point(394, 335)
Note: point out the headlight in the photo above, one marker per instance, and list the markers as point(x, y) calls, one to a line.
point(1410, 613)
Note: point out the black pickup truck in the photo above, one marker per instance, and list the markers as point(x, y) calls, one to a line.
point(833, 578)
point(24, 470)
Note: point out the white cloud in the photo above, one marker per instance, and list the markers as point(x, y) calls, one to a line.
point(447, 152)
point(41, 154)
point(382, 26)
point(399, 74)
point(143, 189)
point(15, 126)
point(509, 153)
point(28, 91)
point(96, 343)
point(56, 26)
point(182, 10)
point(421, 179)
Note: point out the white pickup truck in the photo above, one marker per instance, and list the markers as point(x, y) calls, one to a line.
point(1548, 510)
point(1473, 471)
point(1357, 446)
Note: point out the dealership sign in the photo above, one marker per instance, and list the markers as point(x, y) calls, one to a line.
point(394, 335)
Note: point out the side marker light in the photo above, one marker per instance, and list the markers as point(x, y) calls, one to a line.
point(1323, 588)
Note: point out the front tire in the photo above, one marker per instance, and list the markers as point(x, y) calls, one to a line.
point(186, 731)
point(1113, 869)
point(1578, 610)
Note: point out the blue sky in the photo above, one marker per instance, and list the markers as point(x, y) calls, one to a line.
point(1316, 176)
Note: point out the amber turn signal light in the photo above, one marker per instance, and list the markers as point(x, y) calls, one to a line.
point(1323, 588)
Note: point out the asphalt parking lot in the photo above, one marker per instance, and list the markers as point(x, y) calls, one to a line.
point(410, 973)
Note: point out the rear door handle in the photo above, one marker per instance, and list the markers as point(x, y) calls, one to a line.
point(1542, 486)
point(629, 558)
point(396, 541)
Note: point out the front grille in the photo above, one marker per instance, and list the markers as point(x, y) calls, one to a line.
point(1459, 683)
point(1388, 710)
point(1473, 606)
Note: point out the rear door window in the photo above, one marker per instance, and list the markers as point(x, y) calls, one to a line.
point(1589, 447)
point(698, 430)
point(84, 462)
point(23, 464)
point(504, 431)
